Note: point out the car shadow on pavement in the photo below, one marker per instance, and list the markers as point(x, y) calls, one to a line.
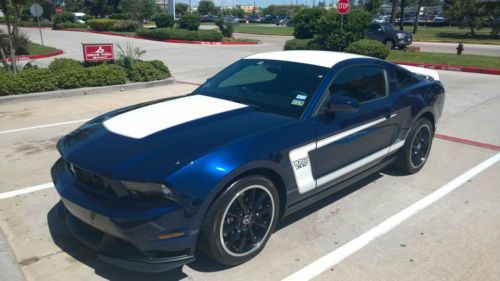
point(63, 239)
point(303, 213)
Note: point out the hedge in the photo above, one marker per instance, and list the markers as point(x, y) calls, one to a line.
point(105, 75)
point(34, 24)
point(370, 48)
point(67, 25)
point(145, 71)
point(297, 44)
point(181, 34)
point(190, 22)
point(102, 24)
point(164, 20)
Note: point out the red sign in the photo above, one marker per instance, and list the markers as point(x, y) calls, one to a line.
point(343, 6)
point(98, 52)
point(59, 10)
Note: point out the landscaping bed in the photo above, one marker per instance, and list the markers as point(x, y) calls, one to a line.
point(37, 49)
point(71, 74)
point(448, 59)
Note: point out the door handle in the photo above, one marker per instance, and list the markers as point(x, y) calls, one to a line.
point(391, 115)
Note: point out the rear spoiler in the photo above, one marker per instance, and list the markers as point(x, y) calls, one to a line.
point(425, 73)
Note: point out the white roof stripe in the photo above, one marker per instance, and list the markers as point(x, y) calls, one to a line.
point(319, 58)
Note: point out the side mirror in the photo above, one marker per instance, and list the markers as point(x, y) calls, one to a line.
point(341, 104)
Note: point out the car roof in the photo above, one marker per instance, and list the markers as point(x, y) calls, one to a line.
point(319, 58)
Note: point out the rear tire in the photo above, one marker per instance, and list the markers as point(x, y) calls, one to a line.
point(414, 154)
point(240, 221)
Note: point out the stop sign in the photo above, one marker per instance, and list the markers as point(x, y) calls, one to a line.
point(343, 6)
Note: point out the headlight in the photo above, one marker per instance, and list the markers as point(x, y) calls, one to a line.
point(401, 35)
point(149, 188)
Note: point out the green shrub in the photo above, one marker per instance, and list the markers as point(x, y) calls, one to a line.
point(160, 66)
point(145, 71)
point(34, 79)
point(7, 83)
point(181, 34)
point(22, 44)
point(190, 22)
point(126, 25)
point(307, 22)
point(2, 19)
point(88, 17)
point(163, 20)
point(297, 44)
point(33, 24)
point(67, 25)
point(226, 28)
point(105, 74)
point(119, 16)
point(102, 24)
point(370, 48)
point(63, 17)
point(69, 73)
point(330, 37)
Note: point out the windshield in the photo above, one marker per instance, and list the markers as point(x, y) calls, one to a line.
point(279, 87)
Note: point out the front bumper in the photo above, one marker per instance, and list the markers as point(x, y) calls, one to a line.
point(403, 42)
point(125, 233)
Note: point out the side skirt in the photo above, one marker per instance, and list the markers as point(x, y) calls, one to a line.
point(337, 187)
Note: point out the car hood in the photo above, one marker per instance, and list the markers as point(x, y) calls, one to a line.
point(148, 140)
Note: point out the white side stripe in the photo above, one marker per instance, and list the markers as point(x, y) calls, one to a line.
point(25, 190)
point(324, 263)
point(43, 126)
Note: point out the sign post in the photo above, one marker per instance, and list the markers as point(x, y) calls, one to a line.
point(37, 10)
point(98, 52)
point(343, 7)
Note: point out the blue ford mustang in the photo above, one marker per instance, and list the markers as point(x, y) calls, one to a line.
point(148, 185)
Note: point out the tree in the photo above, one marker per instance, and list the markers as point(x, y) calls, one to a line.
point(307, 22)
point(469, 13)
point(74, 6)
point(373, 6)
point(181, 8)
point(238, 12)
point(393, 10)
point(206, 7)
point(138, 10)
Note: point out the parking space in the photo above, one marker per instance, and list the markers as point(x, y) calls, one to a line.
point(454, 239)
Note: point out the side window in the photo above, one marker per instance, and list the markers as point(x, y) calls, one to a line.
point(362, 83)
point(373, 27)
point(404, 78)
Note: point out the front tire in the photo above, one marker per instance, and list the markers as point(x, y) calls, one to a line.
point(389, 43)
point(415, 152)
point(240, 221)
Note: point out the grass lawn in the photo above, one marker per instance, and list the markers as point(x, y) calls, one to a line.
point(450, 59)
point(453, 34)
point(430, 34)
point(36, 49)
point(263, 29)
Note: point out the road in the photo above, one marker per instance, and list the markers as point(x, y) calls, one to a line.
point(456, 238)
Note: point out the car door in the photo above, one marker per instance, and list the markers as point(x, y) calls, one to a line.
point(349, 141)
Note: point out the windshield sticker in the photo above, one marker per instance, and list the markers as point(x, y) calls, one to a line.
point(301, 97)
point(298, 102)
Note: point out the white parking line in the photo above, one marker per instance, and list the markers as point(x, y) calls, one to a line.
point(25, 190)
point(43, 126)
point(324, 263)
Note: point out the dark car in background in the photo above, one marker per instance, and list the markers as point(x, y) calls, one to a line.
point(389, 35)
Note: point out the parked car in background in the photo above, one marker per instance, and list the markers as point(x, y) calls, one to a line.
point(79, 17)
point(232, 19)
point(389, 35)
point(208, 18)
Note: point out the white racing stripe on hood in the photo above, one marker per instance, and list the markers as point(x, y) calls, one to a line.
point(145, 121)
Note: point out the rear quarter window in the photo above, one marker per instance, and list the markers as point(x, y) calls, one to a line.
point(404, 78)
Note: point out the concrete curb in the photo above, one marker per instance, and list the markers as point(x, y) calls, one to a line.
point(39, 56)
point(165, 40)
point(9, 267)
point(494, 71)
point(85, 91)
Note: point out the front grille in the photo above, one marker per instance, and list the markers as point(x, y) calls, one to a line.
point(90, 181)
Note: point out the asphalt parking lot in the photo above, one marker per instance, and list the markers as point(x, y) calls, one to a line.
point(455, 238)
